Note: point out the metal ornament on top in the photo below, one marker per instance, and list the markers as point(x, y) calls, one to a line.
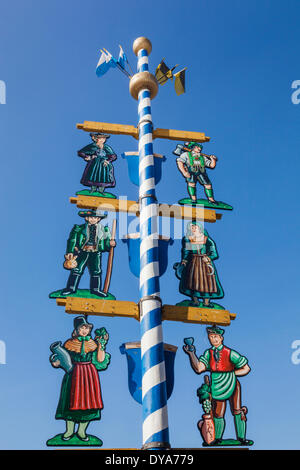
point(144, 87)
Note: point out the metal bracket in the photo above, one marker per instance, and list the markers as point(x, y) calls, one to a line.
point(156, 445)
point(148, 297)
point(142, 121)
point(147, 195)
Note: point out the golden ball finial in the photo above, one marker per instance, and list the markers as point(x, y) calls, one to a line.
point(141, 81)
point(142, 43)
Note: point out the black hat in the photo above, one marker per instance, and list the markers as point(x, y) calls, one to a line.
point(99, 134)
point(93, 213)
point(81, 321)
point(215, 330)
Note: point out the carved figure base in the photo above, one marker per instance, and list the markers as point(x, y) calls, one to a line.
point(191, 303)
point(83, 293)
point(87, 192)
point(205, 203)
point(57, 441)
point(229, 442)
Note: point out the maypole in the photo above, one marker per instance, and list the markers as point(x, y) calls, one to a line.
point(143, 86)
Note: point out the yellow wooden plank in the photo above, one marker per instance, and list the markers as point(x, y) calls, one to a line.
point(171, 134)
point(205, 316)
point(121, 308)
point(106, 127)
point(132, 207)
point(100, 307)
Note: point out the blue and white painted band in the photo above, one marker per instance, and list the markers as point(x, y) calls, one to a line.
point(146, 214)
point(146, 186)
point(150, 321)
point(151, 337)
point(153, 377)
point(149, 271)
point(146, 162)
point(145, 139)
point(148, 243)
point(155, 423)
point(142, 61)
point(143, 104)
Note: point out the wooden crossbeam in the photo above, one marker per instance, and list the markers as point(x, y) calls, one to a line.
point(132, 207)
point(206, 316)
point(170, 134)
point(121, 308)
point(100, 307)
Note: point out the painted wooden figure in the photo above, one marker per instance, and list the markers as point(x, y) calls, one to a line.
point(192, 164)
point(225, 366)
point(196, 271)
point(85, 246)
point(99, 171)
point(80, 400)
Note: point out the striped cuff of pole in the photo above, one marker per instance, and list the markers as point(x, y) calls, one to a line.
point(143, 61)
point(155, 419)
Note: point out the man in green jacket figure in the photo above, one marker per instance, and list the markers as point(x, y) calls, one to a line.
point(84, 249)
point(225, 366)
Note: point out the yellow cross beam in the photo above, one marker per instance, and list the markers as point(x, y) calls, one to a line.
point(197, 315)
point(100, 307)
point(121, 308)
point(132, 207)
point(171, 134)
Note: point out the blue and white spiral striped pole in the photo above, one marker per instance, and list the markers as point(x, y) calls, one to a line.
point(143, 86)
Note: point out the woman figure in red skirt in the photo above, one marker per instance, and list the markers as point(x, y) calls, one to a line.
point(80, 397)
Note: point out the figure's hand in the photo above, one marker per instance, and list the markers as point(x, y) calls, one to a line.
point(105, 163)
point(213, 157)
point(112, 243)
point(70, 261)
point(206, 259)
point(187, 350)
point(186, 175)
point(87, 159)
point(56, 363)
point(184, 262)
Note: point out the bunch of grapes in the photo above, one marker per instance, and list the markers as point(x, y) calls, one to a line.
point(206, 406)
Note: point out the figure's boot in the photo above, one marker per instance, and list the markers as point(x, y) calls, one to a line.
point(72, 284)
point(100, 189)
point(196, 301)
point(70, 426)
point(240, 429)
point(209, 194)
point(192, 192)
point(81, 431)
point(95, 284)
point(219, 430)
point(93, 189)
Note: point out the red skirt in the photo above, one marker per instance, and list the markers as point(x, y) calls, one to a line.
point(85, 387)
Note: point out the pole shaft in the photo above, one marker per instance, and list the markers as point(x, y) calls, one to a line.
point(154, 395)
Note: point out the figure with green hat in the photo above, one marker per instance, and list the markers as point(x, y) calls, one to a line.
point(196, 271)
point(192, 164)
point(80, 399)
point(225, 366)
point(85, 246)
point(99, 172)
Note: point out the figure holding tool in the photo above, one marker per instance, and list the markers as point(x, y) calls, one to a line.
point(192, 164)
point(225, 365)
point(85, 246)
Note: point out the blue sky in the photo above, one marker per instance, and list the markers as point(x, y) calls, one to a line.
point(242, 60)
